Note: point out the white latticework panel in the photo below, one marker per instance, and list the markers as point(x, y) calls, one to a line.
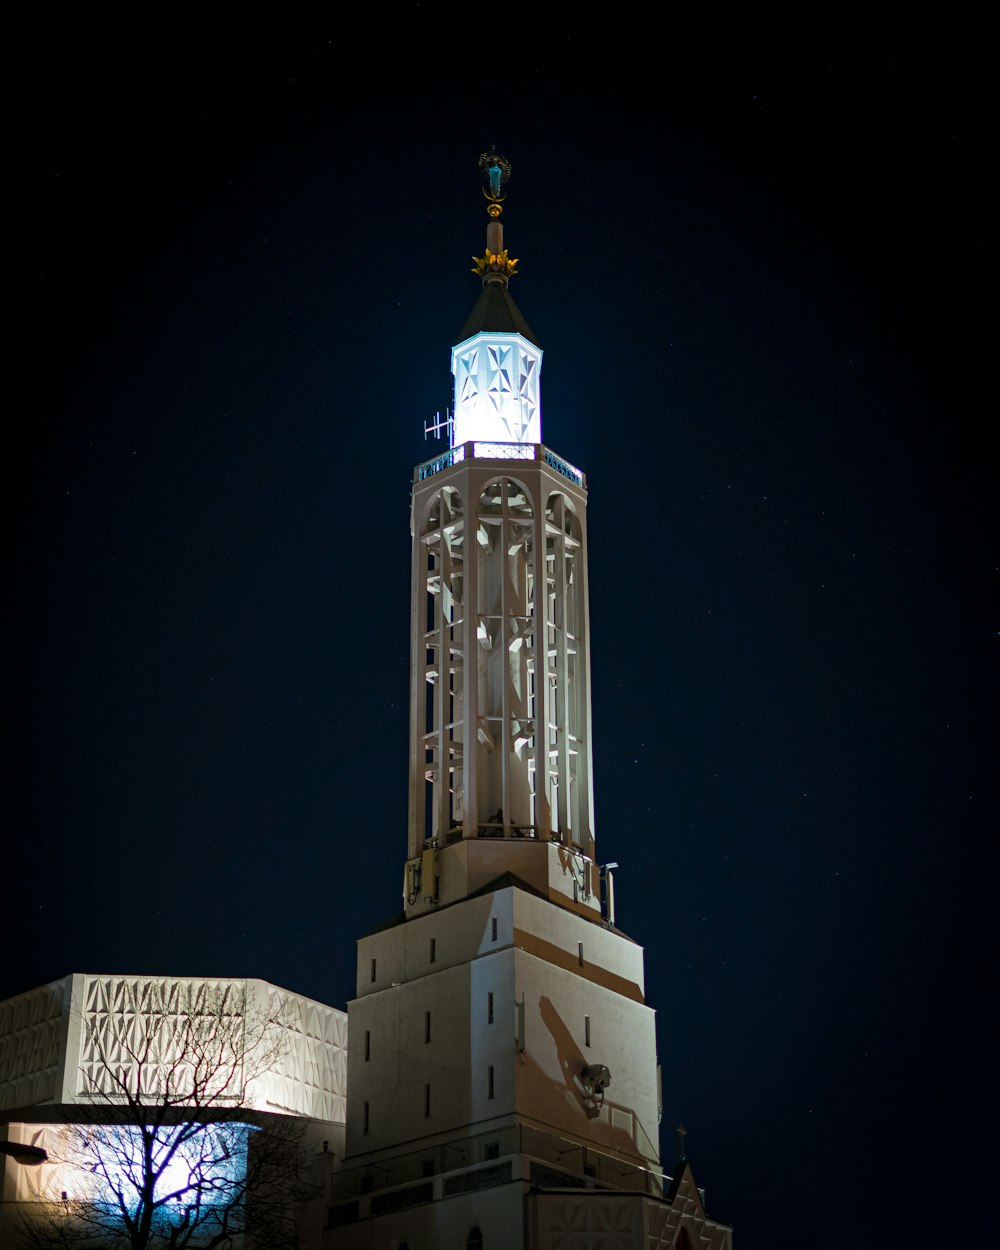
point(155, 1038)
point(497, 393)
point(32, 1037)
point(685, 1212)
point(590, 1222)
point(467, 377)
point(595, 1221)
point(310, 1078)
point(527, 388)
point(205, 1042)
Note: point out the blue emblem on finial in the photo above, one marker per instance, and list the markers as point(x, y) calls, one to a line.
point(496, 172)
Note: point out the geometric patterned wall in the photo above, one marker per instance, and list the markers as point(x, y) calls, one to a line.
point(599, 1221)
point(140, 1029)
point(123, 1017)
point(311, 1078)
point(32, 1043)
point(685, 1213)
point(497, 391)
point(69, 1041)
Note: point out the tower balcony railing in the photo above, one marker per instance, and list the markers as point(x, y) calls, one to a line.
point(499, 451)
point(497, 829)
point(543, 1157)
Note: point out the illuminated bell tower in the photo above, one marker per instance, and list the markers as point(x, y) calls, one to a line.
point(502, 1067)
point(500, 744)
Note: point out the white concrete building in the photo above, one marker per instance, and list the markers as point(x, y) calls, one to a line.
point(503, 1085)
point(501, 1089)
point(89, 1049)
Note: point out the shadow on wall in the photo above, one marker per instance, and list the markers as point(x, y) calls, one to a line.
point(568, 1105)
point(570, 1057)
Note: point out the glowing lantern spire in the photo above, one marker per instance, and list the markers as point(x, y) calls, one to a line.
point(497, 361)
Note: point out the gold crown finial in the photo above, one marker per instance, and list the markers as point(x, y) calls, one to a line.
point(495, 265)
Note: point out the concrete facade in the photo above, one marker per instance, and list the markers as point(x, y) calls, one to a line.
point(502, 1071)
point(501, 1086)
point(69, 1049)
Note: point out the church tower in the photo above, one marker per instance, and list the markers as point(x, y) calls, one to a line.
point(502, 1061)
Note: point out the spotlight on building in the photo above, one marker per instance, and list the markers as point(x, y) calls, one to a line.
point(596, 1078)
point(21, 1152)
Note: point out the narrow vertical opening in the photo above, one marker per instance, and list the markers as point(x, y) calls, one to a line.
point(489, 1081)
point(489, 1007)
point(373, 971)
point(586, 1030)
point(365, 1120)
point(493, 928)
point(427, 1026)
point(427, 1100)
point(433, 949)
point(368, 1044)
point(579, 952)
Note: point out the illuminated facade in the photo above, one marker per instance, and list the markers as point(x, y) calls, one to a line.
point(238, 1054)
point(501, 1089)
point(503, 1085)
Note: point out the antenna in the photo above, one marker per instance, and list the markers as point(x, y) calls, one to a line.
point(438, 425)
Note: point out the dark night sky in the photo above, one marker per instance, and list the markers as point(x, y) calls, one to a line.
point(240, 262)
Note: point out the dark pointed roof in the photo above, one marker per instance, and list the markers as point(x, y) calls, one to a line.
point(496, 312)
point(684, 1180)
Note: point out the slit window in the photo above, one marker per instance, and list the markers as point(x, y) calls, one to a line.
point(433, 949)
point(586, 1030)
point(368, 1044)
point(427, 1101)
point(365, 1118)
point(427, 1026)
point(489, 1007)
point(493, 928)
point(489, 1081)
point(373, 970)
point(579, 952)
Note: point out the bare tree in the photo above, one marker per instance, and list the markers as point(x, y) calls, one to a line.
point(167, 1149)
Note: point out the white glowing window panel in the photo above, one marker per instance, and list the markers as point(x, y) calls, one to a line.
point(504, 451)
point(104, 1164)
point(497, 394)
